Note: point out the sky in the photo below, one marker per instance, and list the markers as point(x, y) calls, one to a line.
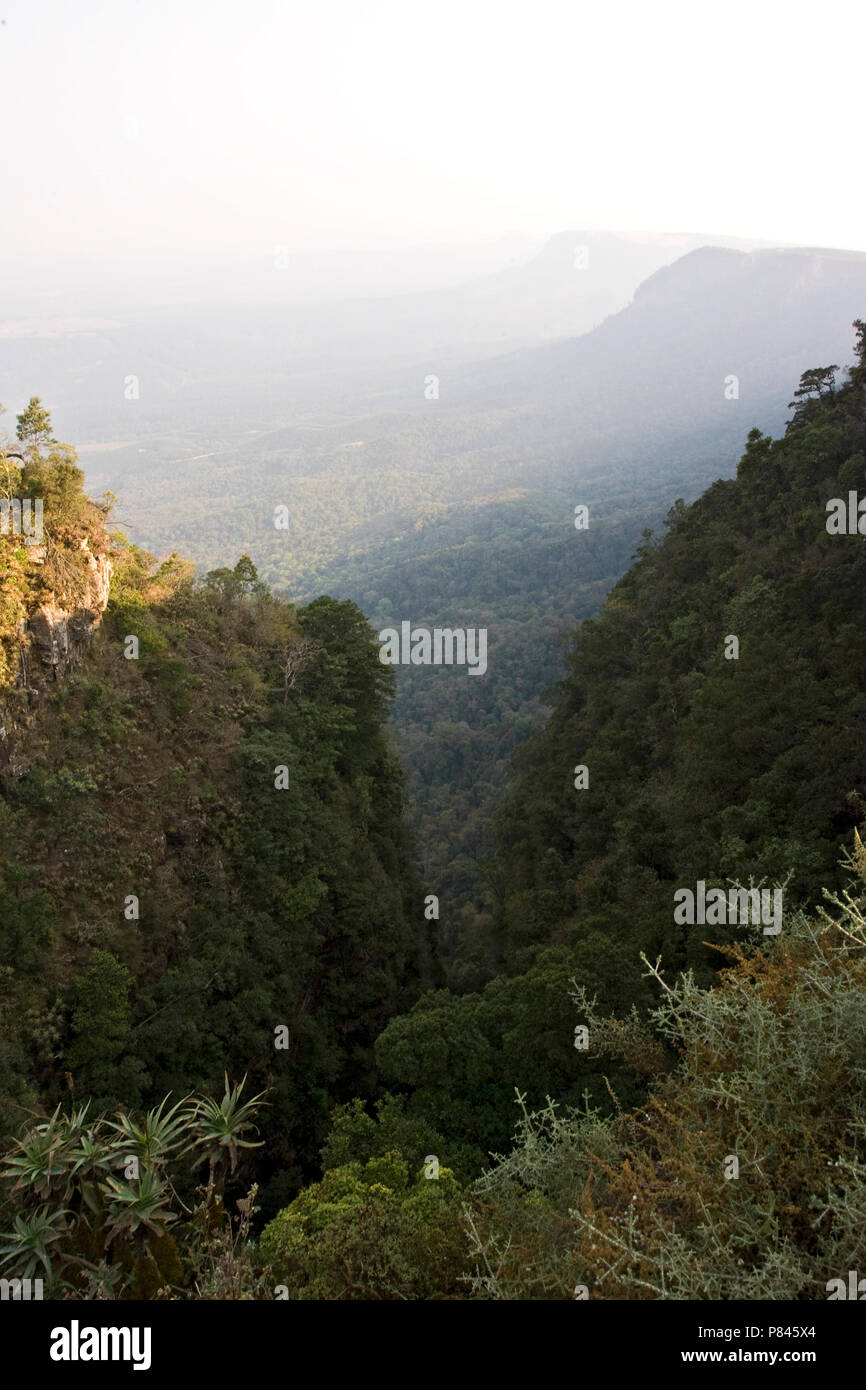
point(208, 127)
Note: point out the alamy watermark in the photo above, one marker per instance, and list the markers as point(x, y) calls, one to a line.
point(77, 1343)
point(443, 646)
point(739, 906)
point(846, 518)
point(16, 520)
point(22, 1290)
point(856, 1288)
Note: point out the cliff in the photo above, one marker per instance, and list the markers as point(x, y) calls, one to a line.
point(56, 567)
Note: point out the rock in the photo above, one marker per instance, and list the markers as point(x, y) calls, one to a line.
point(60, 635)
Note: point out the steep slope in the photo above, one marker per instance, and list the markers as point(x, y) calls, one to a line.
point(622, 420)
point(765, 745)
point(203, 865)
point(700, 766)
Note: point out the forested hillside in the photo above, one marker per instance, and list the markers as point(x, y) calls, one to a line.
point(474, 497)
point(421, 482)
point(201, 836)
point(432, 679)
point(697, 767)
point(207, 912)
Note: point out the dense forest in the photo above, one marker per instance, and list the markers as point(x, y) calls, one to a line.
point(234, 1063)
point(202, 835)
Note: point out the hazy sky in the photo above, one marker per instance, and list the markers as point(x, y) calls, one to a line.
point(204, 125)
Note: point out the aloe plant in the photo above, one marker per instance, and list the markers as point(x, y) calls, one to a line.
point(160, 1135)
point(78, 1216)
point(218, 1127)
point(39, 1163)
point(137, 1209)
point(28, 1245)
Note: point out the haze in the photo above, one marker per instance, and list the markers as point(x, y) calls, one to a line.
point(139, 129)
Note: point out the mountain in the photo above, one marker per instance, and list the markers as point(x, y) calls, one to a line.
point(622, 420)
point(673, 757)
point(647, 391)
point(203, 862)
point(459, 509)
point(204, 876)
point(229, 349)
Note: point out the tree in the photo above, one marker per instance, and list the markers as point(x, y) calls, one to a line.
point(100, 1019)
point(817, 381)
point(231, 583)
point(370, 1233)
point(815, 384)
point(858, 373)
point(293, 657)
point(247, 577)
point(34, 424)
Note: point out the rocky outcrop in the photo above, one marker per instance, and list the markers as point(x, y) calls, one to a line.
point(52, 639)
point(60, 633)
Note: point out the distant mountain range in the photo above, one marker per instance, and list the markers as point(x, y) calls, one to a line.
point(266, 342)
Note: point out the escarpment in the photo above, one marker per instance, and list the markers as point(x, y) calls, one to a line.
point(55, 573)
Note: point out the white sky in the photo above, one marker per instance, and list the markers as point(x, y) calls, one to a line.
point(152, 125)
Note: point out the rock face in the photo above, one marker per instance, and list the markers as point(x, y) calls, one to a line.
point(52, 640)
point(59, 635)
